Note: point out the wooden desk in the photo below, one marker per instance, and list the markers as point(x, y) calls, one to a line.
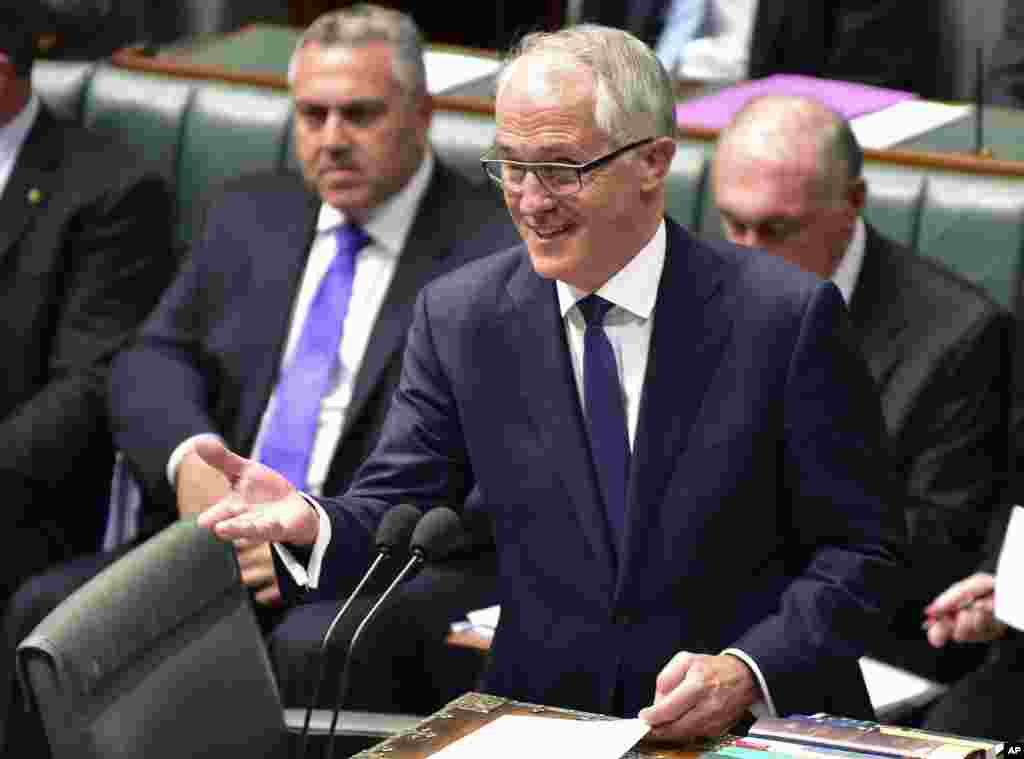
point(473, 710)
point(258, 55)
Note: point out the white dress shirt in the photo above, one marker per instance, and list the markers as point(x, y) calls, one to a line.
point(848, 271)
point(722, 48)
point(12, 136)
point(388, 228)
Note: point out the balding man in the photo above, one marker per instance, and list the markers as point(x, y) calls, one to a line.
point(787, 179)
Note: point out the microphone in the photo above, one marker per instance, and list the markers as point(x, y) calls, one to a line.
point(438, 535)
point(393, 535)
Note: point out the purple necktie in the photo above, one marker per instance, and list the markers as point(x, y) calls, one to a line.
point(288, 440)
point(605, 409)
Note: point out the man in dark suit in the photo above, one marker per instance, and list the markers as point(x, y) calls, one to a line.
point(787, 179)
point(690, 511)
point(854, 40)
point(267, 248)
point(85, 251)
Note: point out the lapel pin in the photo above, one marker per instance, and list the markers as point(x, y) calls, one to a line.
point(35, 195)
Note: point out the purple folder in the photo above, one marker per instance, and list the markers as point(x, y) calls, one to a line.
point(847, 98)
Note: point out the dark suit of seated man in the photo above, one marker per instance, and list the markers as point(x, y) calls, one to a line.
point(219, 355)
point(677, 444)
point(787, 179)
point(85, 251)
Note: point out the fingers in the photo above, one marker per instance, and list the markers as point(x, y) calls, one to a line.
point(269, 596)
point(678, 689)
point(710, 694)
point(940, 630)
point(215, 454)
point(290, 520)
point(228, 508)
point(978, 623)
point(960, 594)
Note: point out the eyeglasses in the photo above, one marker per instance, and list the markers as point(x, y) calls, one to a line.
point(557, 178)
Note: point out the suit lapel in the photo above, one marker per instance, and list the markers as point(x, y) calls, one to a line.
point(30, 185)
point(548, 386)
point(876, 309)
point(691, 325)
point(429, 239)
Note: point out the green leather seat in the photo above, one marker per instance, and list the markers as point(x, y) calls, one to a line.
point(201, 133)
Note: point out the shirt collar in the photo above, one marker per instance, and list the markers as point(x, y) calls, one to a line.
point(634, 287)
point(14, 133)
point(389, 223)
point(847, 272)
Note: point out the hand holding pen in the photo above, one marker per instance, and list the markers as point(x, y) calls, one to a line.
point(964, 612)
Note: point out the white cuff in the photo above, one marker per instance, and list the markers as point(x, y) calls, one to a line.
point(308, 577)
point(764, 707)
point(183, 448)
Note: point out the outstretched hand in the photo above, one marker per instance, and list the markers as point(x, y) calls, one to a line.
point(261, 506)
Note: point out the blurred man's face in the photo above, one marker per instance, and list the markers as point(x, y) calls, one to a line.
point(780, 205)
point(358, 136)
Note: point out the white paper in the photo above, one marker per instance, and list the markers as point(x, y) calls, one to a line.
point(487, 617)
point(1010, 573)
point(514, 737)
point(888, 685)
point(447, 70)
point(899, 122)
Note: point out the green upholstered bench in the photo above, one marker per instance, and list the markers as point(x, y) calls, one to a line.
point(200, 133)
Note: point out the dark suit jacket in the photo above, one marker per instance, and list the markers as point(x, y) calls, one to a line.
point(85, 250)
point(208, 358)
point(758, 510)
point(868, 41)
point(940, 351)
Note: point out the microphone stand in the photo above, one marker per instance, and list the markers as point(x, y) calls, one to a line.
point(417, 559)
point(322, 657)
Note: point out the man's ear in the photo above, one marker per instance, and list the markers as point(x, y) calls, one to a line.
point(656, 159)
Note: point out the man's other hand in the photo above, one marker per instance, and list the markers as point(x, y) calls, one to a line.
point(698, 696)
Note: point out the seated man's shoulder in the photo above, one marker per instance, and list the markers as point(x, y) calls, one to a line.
point(931, 291)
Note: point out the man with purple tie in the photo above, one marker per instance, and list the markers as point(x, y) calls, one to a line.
point(282, 334)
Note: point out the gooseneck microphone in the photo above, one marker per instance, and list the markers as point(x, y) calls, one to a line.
point(393, 534)
point(438, 535)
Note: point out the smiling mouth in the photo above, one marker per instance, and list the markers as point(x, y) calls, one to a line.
point(549, 233)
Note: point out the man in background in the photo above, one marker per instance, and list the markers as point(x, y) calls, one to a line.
point(787, 179)
point(283, 333)
point(857, 41)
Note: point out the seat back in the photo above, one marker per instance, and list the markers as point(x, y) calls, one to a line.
point(157, 656)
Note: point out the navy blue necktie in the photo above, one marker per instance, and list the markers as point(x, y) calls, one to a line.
point(605, 408)
point(291, 431)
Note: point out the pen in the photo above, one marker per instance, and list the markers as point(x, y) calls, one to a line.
point(929, 621)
